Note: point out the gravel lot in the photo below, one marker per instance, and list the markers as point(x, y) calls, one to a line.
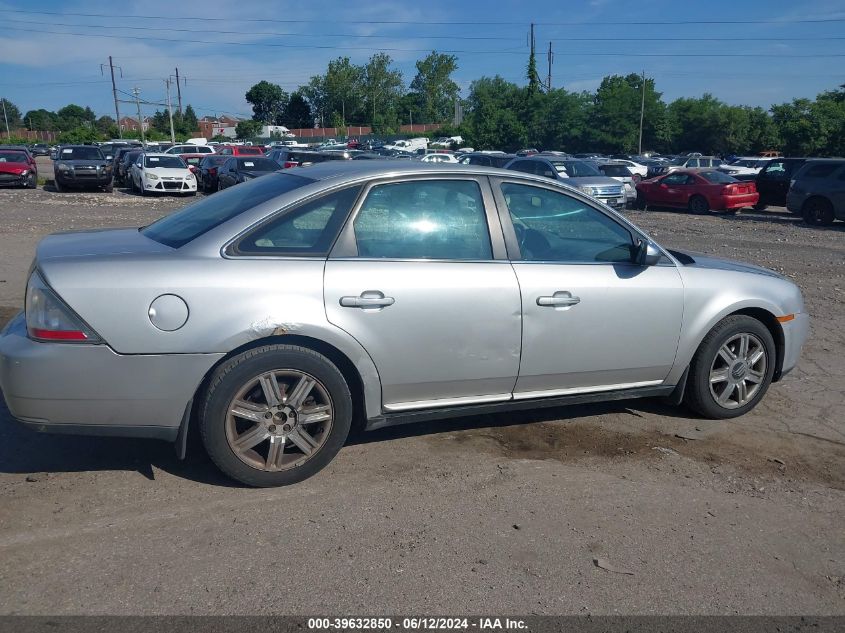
point(503, 513)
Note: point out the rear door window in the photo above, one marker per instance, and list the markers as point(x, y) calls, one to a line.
point(424, 219)
point(820, 170)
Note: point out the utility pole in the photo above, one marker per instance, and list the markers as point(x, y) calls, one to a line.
point(6, 118)
point(136, 92)
point(642, 114)
point(114, 93)
point(178, 91)
point(551, 57)
point(170, 111)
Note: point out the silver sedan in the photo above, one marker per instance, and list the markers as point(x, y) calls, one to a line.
point(274, 315)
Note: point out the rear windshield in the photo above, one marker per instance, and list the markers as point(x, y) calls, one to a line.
point(717, 177)
point(250, 151)
point(177, 229)
point(615, 170)
point(80, 153)
point(12, 157)
point(257, 164)
point(172, 162)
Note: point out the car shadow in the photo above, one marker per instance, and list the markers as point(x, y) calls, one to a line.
point(24, 451)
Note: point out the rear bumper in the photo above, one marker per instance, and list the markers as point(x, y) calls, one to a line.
point(795, 334)
point(90, 389)
point(795, 201)
point(739, 201)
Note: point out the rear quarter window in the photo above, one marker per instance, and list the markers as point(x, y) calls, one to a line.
point(819, 170)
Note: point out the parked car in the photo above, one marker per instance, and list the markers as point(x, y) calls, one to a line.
point(692, 161)
point(240, 150)
point(287, 157)
point(18, 169)
point(40, 149)
point(161, 173)
point(773, 181)
point(123, 162)
point(190, 149)
point(577, 173)
point(620, 171)
point(438, 158)
point(208, 167)
point(193, 162)
point(82, 166)
point(744, 167)
point(484, 159)
point(529, 151)
point(638, 170)
point(272, 314)
point(110, 149)
point(238, 169)
point(818, 191)
point(699, 191)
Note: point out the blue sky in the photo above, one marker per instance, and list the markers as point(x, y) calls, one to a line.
point(798, 53)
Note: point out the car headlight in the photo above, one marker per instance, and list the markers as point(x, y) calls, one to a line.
point(24, 172)
point(590, 191)
point(189, 177)
point(152, 177)
point(63, 167)
point(107, 167)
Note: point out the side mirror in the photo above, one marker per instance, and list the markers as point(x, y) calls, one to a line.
point(647, 254)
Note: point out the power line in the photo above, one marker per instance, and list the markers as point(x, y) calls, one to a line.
point(439, 37)
point(425, 50)
point(435, 22)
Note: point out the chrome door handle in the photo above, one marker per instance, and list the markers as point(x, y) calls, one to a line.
point(560, 299)
point(368, 299)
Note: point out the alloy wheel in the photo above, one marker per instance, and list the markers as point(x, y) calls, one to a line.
point(279, 420)
point(738, 370)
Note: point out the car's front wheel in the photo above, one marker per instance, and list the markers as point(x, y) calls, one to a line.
point(732, 368)
point(698, 205)
point(275, 415)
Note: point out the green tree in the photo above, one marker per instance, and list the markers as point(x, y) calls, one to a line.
point(190, 123)
point(248, 129)
point(383, 89)
point(343, 83)
point(615, 116)
point(13, 115)
point(435, 87)
point(297, 113)
point(268, 101)
point(316, 96)
point(106, 126)
point(533, 75)
point(73, 116)
point(493, 114)
point(40, 119)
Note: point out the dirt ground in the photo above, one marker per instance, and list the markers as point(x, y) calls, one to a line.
point(536, 512)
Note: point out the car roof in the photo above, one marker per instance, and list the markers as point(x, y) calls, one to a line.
point(161, 154)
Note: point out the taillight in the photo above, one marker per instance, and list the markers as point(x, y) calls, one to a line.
point(290, 163)
point(48, 318)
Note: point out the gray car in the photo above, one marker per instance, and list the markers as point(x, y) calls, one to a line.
point(275, 314)
point(817, 191)
point(82, 166)
point(578, 173)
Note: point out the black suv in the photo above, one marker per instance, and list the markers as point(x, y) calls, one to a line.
point(773, 181)
point(486, 160)
point(81, 166)
point(40, 149)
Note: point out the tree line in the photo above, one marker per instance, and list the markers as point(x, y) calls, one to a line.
point(500, 114)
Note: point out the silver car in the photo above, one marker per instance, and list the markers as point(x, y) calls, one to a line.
point(275, 314)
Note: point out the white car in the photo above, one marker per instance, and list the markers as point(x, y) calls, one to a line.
point(162, 173)
point(636, 168)
point(190, 149)
point(439, 158)
point(745, 166)
point(619, 170)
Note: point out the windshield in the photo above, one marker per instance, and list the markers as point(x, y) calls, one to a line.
point(575, 168)
point(257, 164)
point(172, 162)
point(250, 151)
point(12, 157)
point(177, 229)
point(717, 177)
point(745, 163)
point(80, 153)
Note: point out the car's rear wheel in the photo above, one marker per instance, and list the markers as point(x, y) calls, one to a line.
point(818, 212)
point(275, 415)
point(732, 368)
point(698, 205)
point(760, 206)
point(641, 203)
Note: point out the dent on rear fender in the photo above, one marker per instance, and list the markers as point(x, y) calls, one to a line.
point(269, 327)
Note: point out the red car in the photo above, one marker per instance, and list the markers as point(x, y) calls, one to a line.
point(18, 168)
point(193, 161)
point(699, 191)
point(240, 150)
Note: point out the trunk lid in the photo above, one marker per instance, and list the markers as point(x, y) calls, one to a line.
point(96, 242)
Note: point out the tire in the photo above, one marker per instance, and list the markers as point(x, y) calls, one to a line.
point(702, 392)
point(32, 182)
point(818, 212)
point(58, 186)
point(109, 188)
point(242, 447)
point(219, 186)
point(760, 206)
point(698, 205)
